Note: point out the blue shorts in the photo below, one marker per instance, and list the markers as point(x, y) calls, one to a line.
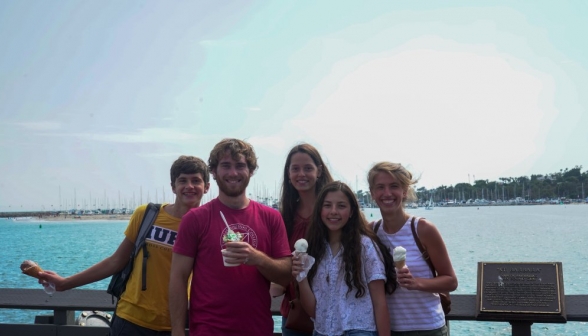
point(443, 331)
point(290, 332)
point(351, 333)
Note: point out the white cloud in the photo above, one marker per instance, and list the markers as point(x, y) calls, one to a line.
point(223, 43)
point(160, 154)
point(144, 135)
point(468, 110)
point(40, 125)
point(272, 144)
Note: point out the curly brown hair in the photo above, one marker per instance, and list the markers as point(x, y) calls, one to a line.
point(236, 147)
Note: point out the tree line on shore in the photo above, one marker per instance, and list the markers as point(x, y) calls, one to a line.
point(567, 183)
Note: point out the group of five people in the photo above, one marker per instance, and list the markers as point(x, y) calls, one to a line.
point(352, 288)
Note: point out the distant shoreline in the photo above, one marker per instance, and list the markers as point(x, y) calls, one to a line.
point(87, 217)
point(48, 217)
point(73, 218)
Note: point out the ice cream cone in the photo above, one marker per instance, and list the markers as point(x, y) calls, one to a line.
point(399, 256)
point(31, 268)
point(301, 245)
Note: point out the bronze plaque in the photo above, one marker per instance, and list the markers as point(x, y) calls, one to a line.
point(520, 287)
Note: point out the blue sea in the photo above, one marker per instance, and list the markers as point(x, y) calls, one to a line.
point(541, 233)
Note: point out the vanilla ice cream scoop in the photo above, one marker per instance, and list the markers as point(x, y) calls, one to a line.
point(399, 255)
point(300, 248)
point(301, 245)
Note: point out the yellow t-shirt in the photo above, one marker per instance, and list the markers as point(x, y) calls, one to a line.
point(150, 308)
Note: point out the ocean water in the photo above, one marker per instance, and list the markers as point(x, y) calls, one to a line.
point(493, 234)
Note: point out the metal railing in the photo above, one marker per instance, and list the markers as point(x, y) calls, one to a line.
point(65, 304)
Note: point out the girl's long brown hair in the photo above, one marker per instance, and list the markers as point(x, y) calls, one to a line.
point(318, 236)
point(289, 197)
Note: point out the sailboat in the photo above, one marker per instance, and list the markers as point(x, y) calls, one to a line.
point(22, 219)
point(413, 205)
point(429, 205)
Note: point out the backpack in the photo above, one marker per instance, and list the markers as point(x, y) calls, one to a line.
point(118, 282)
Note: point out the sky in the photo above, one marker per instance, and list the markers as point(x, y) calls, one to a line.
point(98, 98)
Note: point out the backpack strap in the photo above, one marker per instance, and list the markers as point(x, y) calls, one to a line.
point(144, 268)
point(151, 213)
point(376, 227)
point(148, 219)
point(424, 252)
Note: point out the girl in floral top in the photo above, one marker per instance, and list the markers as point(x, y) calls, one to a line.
point(345, 288)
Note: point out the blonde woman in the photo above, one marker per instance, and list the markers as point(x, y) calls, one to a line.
point(415, 308)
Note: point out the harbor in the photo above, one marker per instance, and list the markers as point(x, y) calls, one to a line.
point(546, 233)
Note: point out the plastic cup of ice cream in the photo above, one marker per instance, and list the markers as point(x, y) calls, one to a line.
point(225, 260)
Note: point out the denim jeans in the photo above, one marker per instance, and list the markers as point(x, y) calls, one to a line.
point(290, 332)
point(443, 331)
point(122, 327)
point(351, 333)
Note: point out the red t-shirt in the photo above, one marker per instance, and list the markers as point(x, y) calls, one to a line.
point(298, 231)
point(230, 300)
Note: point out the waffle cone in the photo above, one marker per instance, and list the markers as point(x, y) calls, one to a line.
point(400, 264)
point(33, 271)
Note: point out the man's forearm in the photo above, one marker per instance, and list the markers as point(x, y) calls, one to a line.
point(178, 292)
point(178, 305)
point(276, 270)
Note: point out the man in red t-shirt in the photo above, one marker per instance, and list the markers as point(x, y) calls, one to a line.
point(230, 289)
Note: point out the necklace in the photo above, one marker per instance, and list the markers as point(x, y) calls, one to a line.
point(333, 258)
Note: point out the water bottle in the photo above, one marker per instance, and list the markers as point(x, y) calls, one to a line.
point(49, 288)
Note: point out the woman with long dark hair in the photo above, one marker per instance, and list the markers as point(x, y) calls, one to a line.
point(305, 173)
